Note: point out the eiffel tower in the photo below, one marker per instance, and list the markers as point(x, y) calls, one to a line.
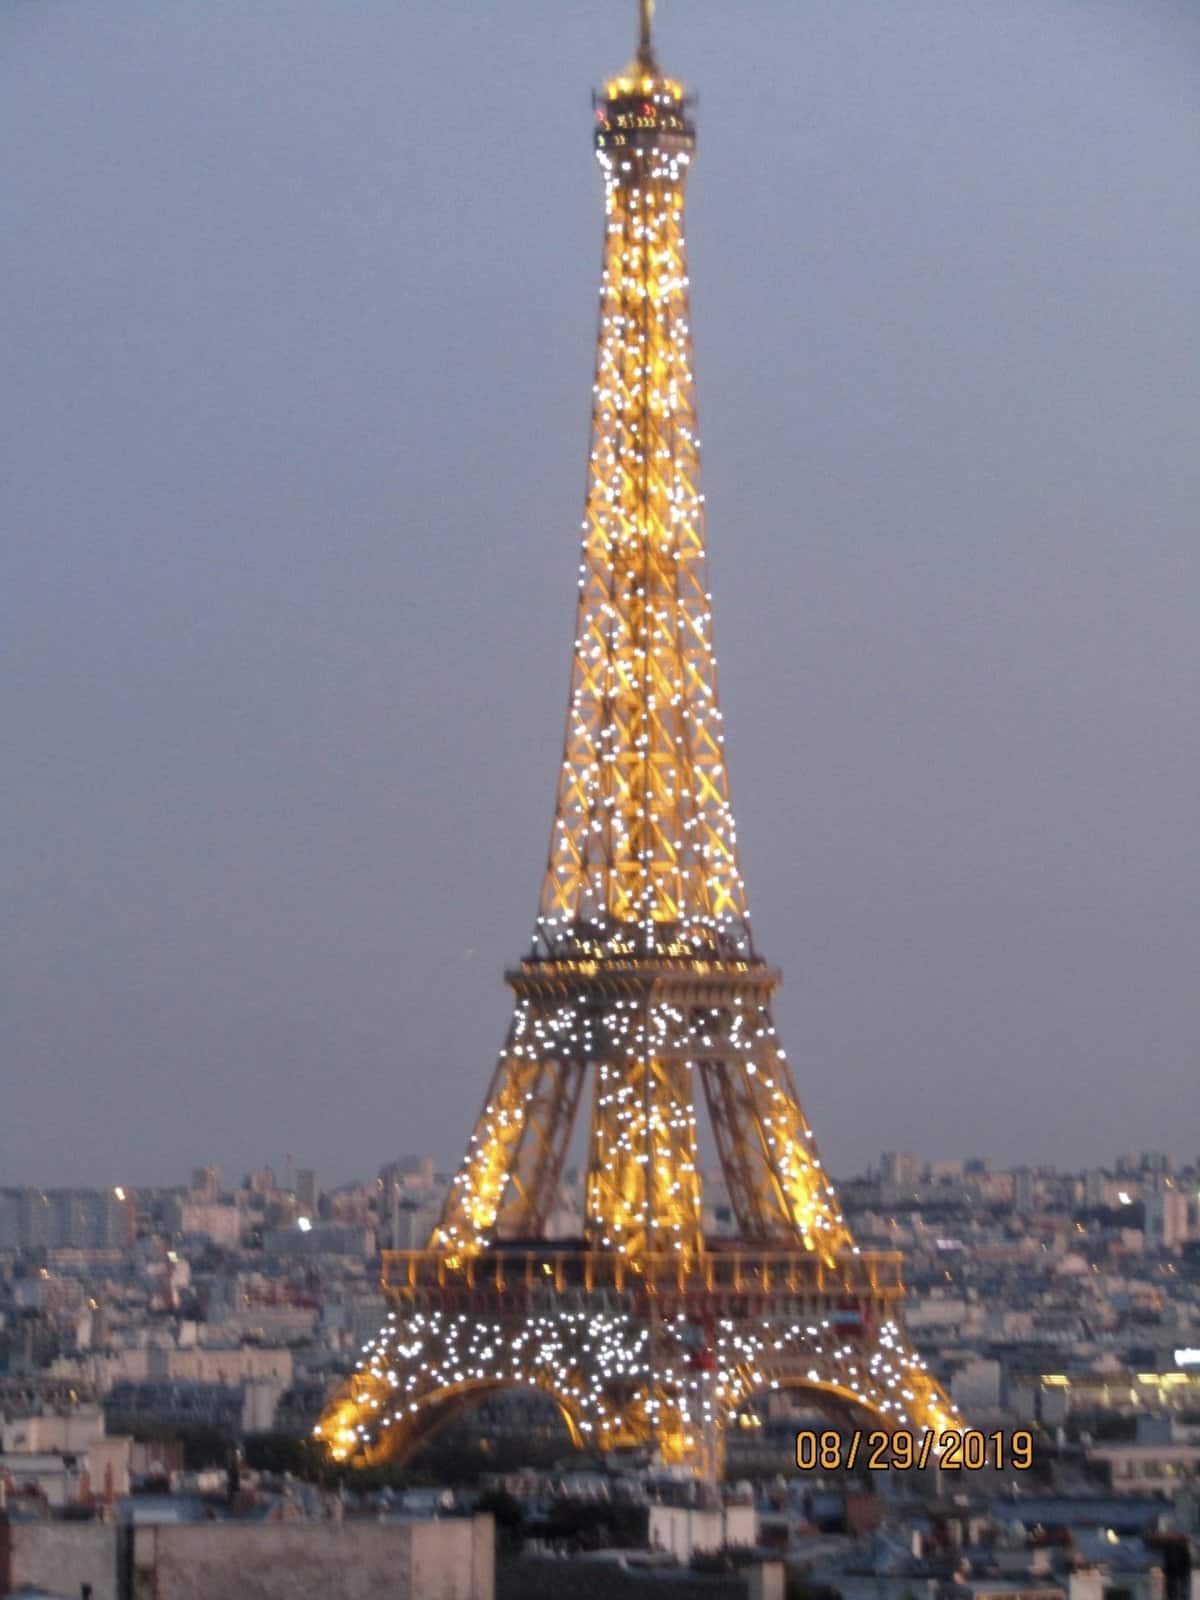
point(643, 990)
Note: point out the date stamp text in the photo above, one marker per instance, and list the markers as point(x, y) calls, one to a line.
point(906, 1451)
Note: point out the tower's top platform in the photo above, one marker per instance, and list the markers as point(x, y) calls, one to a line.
point(641, 108)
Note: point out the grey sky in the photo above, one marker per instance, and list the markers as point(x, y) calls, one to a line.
point(297, 331)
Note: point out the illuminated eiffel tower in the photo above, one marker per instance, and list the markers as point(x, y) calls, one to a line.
point(642, 990)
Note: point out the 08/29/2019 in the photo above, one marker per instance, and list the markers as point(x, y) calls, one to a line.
point(880, 1451)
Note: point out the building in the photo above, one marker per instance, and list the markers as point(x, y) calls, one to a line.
point(241, 1364)
point(412, 1559)
point(206, 1183)
point(1167, 1215)
point(308, 1238)
point(1147, 1468)
point(211, 1405)
point(204, 1219)
point(411, 1224)
point(70, 1219)
point(1025, 1190)
point(684, 1530)
point(308, 1192)
point(67, 1432)
point(65, 1458)
point(978, 1388)
point(900, 1169)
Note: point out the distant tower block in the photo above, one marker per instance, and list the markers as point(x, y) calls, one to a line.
point(642, 994)
point(308, 1192)
point(206, 1183)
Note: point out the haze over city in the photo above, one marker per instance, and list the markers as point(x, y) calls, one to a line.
point(299, 331)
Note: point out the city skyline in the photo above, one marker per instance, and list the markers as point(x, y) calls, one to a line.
point(288, 1172)
point(268, 820)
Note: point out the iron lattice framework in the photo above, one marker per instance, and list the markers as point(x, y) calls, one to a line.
point(642, 983)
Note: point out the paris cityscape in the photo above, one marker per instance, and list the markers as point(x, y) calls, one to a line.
point(143, 1332)
point(851, 1252)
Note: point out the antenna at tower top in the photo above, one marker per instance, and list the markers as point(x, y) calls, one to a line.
point(645, 50)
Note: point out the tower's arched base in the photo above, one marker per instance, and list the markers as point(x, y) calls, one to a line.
point(659, 1361)
point(421, 1423)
